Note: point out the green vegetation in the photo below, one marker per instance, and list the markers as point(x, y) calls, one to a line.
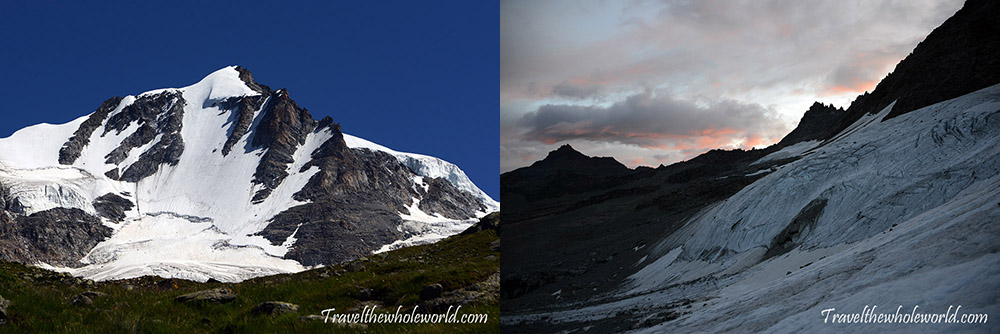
point(466, 266)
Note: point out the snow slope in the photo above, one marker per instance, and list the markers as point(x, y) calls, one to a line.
point(193, 220)
point(910, 220)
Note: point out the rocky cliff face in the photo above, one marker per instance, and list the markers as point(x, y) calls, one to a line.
point(955, 59)
point(57, 236)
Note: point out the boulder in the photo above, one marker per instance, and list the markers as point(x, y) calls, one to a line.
point(274, 308)
point(216, 296)
point(431, 291)
point(4, 318)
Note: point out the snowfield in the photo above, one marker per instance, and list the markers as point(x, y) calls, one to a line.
point(911, 214)
point(175, 229)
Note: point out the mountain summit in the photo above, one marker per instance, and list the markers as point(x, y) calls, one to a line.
point(224, 179)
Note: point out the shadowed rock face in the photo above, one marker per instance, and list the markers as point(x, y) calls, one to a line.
point(819, 122)
point(283, 128)
point(335, 230)
point(792, 235)
point(247, 79)
point(59, 236)
point(957, 58)
point(72, 149)
point(445, 200)
point(243, 109)
point(159, 115)
point(112, 206)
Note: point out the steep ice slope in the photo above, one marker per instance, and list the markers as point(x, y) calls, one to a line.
point(887, 213)
point(194, 219)
point(877, 174)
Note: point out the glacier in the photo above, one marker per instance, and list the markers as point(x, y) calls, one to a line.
point(906, 204)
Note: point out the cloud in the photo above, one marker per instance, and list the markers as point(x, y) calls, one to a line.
point(567, 89)
point(730, 73)
point(651, 120)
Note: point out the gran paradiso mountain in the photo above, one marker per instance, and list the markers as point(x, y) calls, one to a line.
point(224, 179)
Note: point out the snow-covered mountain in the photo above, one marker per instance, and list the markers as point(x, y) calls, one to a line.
point(224, 179)
point(892, 202)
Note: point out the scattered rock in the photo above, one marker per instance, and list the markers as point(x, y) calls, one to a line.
point(93, 294)
point(81, 300)
point(217, 296)
point(312, 317)
point(485, 292)
point(351, 325)
point(274, 308)
point(4, 304)
point(431, 291)
point(355, 266)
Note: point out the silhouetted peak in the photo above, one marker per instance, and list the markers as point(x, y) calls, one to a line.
point(819, 122)
point(565, 152)
point(568, 158)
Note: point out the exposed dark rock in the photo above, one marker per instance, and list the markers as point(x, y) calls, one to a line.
point(274, 308)
point(241, 117)
point(112, 206)
point(793, 234)
point(156, 115)
point(957, 58)
point(142, 136)
point(282, 129)
point(247, 78)
point(819, 122)
point(488, 222)
point(334, 231)
point(446, 200)
point(71, 150)
point(113, 174)
point(373, 175)
point(431, 291)
point(215, 296)
point(59, 237)
point(5, 199)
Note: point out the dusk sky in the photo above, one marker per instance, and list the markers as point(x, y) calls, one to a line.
point(656, 82)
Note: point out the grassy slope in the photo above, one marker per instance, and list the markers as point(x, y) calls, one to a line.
point(146, 304)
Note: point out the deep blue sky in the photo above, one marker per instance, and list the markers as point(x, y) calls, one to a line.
point(413, 76)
